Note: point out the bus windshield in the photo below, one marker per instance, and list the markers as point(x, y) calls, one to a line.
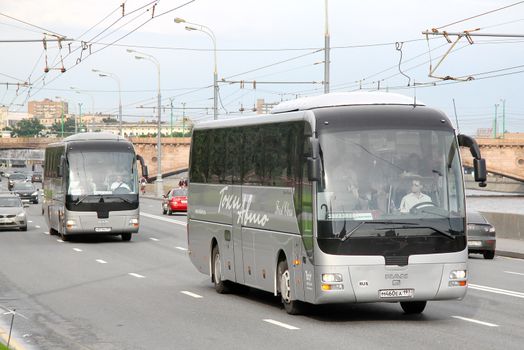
point(382, 177)
point(101, 173)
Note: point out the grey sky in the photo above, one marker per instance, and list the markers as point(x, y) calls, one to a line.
point(286, 29)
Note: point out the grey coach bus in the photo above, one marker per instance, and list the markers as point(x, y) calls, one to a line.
point(345, 197)
point(90, 186)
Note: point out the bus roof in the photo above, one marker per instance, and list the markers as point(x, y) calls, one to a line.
point(334, 99)
point(91, 136)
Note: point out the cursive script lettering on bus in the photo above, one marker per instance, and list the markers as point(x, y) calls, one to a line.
point(245, 216)
point(283, 209)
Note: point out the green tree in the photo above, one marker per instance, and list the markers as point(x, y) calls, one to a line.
point(69, 127)
point(28, 127)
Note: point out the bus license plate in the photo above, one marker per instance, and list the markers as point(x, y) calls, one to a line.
point(102, 229)
point(396, 293)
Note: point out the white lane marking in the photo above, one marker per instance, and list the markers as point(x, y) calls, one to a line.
point(77, 249)
point(136, 275)
point(181, 248)
point(280, 324)
point(476, 321)
point(100, 261)
point(154, 239)
point(30, 221)
point(37, 226)
point(515, 273)
point(196, 296)
point(497, 291)
point(157, 217)
point(47, 232)
point(59, 240)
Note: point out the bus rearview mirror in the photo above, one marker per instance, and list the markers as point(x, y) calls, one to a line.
point(479, 166)
point(313, 169)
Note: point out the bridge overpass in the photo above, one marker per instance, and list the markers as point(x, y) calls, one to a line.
point(503, 156)
point(175, 150)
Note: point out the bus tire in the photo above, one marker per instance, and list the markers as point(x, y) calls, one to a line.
point(64, 237)
point(413, 307)
point(53, 232)
point(222, 287)
point(126, 237)
point(292, 307)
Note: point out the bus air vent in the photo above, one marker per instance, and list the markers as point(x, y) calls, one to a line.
point(397, 260)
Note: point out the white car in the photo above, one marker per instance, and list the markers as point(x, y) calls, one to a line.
point(12, 212)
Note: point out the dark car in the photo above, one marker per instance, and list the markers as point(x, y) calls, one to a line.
point(26, 191)
point(481, 235)
point(12, 212)
point(14, 178)
point(174, 200)
point(36, 177)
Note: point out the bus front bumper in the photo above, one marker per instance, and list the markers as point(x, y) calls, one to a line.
point(89, 223)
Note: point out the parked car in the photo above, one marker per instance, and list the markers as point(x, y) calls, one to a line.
point(481, 235)
point(14, 178)
point(26, 191)
point(12, 212)
point(36, 177)
point(174, 200)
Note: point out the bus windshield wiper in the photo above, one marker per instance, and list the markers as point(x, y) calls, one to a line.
point(81, 199)
point(406, 224)
point(448, 235)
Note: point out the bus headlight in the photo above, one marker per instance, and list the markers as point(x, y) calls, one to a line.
point(331, 277)
point(133, 222)
point(457, 275)
point(70, 224)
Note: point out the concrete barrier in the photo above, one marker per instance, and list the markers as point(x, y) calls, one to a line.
point(510, 226)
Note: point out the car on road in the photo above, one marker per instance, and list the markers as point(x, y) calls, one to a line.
point(36, 177)
point(175, 201)
point(12, 212)
point(26, 191)
point(14, 178)
point(481, 235)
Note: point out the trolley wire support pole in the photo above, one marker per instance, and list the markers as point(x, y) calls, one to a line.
point(326, 51)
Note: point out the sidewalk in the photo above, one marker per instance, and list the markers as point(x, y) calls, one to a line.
point(512, 248)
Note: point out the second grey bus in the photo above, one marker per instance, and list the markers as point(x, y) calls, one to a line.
point(341, 198)
point(91, 187)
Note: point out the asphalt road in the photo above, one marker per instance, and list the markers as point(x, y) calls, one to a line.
point(102, 293)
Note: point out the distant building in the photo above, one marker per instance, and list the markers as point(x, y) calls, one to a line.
point(47, 108)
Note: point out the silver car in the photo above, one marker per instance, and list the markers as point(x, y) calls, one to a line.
point(12, 213)
point(481, 235)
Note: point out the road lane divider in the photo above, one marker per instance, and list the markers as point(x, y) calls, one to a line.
point(136, 275)
point(476, 321)
point(77, 250)
point(100, 261)
point(59, 241)
point(37, 226)
point(46, 233)
point(496, 290)
point(193, 295)
point(154, 239)
point(280, 324)
point(181, 248)
point(158, 217)
point(514, 273)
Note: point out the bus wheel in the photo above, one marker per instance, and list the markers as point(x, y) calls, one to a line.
point(126, 237)
point(221, 286)
point(292, 307)
point(64, 237)
point(413, 307)
point(53, 232)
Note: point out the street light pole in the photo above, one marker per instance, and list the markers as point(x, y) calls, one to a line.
point(209, 32)
point(115, 77)
point(326, 52)
point(159, 182)
point(61, 115)
point(78, 91)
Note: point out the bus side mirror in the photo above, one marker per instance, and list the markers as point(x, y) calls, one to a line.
point(61, 166)
point(313, 169)
point(479, 166)
point(145, 172)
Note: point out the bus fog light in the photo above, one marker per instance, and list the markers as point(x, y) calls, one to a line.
point(457, 275)
point(133, 222)
point(331, 277)
point(458, 283)
point(332, 286)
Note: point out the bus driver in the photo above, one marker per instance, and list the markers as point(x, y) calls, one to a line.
point(414, 197)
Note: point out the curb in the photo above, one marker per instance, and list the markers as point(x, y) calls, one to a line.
point(505, 253)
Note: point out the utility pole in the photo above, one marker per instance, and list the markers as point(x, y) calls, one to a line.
point(80, 114)
point(171, 126)
point(503, 117)
point(326, 51)
point(183, 119)
point(495, 122)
